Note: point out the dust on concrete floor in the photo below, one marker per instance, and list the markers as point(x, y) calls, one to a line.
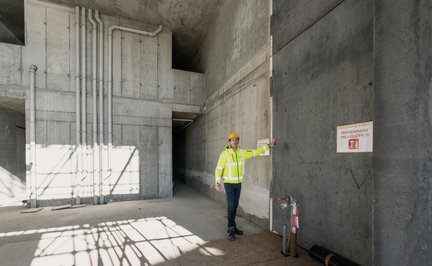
point(189, 229)
point(255, 249)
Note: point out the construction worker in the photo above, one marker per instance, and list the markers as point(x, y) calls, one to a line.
point(230, 170)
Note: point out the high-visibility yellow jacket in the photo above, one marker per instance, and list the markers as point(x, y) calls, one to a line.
point(232, 164)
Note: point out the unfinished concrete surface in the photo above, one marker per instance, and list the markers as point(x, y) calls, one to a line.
point(292, 69)
point(186, 230)
point(346, 62)
point(402, 158)
point(323, 78)
point(146, 91)
point(235, 56)
point(189, 20)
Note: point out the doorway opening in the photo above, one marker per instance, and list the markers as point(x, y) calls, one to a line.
point(180, 121)
point(12, 152)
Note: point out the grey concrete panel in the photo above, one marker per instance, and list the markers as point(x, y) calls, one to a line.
point(20, 146)
point(140, 108)
point(56, 101)
point(13, 91)
point(149, 67)
point(117, 61)
point(321, 80)
point(142, 121)
point(34, 52)
point(182, 86)
point(195, 143)
point(198, 90)
point(165, 162)
point(72, 73)
point(131, 135)
point(244, 28)
point(402, 133)
point(117, 135)
point(58, 47)
point(149, 181)
point(130, 65)
point(41, 132)
point(10, 64)
point(56, 116)
point(291, 18)
point(164, 59)
point(52, 132)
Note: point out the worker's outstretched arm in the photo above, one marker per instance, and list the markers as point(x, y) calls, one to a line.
point(259, 151)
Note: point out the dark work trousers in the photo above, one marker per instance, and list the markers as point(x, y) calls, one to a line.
point(233, 196)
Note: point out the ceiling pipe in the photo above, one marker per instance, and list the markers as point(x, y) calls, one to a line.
point(110, 74)
point(101, 100)
point(94, 98)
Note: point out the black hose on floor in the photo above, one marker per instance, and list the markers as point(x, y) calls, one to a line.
point(329, 258)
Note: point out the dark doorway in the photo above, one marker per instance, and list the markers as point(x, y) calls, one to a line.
point(180, 121)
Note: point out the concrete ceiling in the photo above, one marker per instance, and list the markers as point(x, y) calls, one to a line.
point(189, 20)
point(16, 105)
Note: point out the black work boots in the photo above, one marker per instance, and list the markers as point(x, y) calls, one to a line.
point(232, 232)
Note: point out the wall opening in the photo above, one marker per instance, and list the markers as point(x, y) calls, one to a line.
point(180, 121)
point(12, 157)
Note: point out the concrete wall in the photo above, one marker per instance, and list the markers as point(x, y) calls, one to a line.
point(323, 78)
point(12, 157)
point(235, 58)
point(144, 89)
point(403, 124)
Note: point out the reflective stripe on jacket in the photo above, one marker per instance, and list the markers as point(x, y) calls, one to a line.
point(231, 165)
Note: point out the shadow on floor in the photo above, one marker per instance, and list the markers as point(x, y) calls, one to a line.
point(189, 229)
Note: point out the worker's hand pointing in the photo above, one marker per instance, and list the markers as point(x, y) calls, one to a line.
point(273, 144)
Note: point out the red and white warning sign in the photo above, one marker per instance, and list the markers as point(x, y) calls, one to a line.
point(355, 138)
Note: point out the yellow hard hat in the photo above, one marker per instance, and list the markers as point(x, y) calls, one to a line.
point(233, 135)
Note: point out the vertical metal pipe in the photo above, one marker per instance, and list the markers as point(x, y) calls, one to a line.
point(101, 100)
point(83, 75)
point(77, 77)
point(83, 103)
point(94, 97)
point(109, 95)
point(33, 192)
point(77, 102)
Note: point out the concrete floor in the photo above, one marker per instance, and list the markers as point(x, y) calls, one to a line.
point(187, 230)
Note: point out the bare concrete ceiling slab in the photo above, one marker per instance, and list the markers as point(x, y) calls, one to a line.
point(15, 105)
point(189, 20)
